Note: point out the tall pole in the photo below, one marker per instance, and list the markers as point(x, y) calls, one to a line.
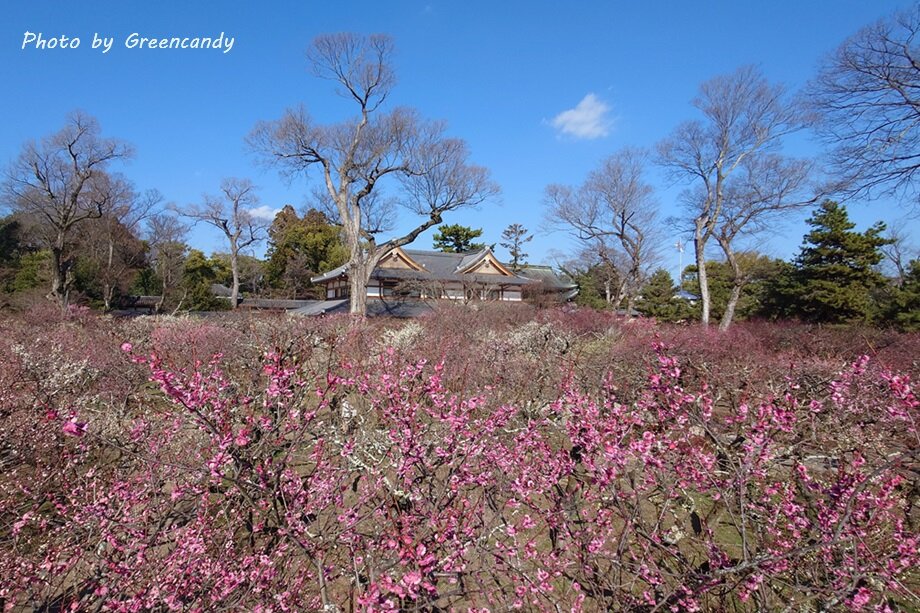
point(680, 263)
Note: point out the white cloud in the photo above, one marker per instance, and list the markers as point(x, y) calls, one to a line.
point(588, 120)
point(264, 212)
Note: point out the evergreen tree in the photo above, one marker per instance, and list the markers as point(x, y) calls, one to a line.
point(11, 249)
point(514, 237)
point(33, 271)
point(836, 279)
point(198, 275)
point(595, 282)
point(301, 248)
point(590, 287)
point(778, 296)
point(904, 311)
point(659, 299)
point(759, 274)
point(454, 238)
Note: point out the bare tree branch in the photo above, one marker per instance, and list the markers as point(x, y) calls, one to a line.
point(231, 213)
point(744, 117)
point(429, 169)
point(61, 182)
point(868, 94)
point(613, 215)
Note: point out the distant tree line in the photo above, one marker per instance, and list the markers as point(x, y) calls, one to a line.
point(76, 225)
point(836, 278)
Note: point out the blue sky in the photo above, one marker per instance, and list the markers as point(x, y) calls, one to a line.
point(541, 91)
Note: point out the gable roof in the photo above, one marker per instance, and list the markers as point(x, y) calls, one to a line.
point(398, 253)
point(473, 261)
point(441, 266)
point(437, 266)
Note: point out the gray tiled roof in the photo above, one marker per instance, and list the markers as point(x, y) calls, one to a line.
point(549, 277)
point(375, 308)
point(405, 274)
point(271, 303)
point(322, 307)
point(440, 266)
point(332, 274)
point(469, 259)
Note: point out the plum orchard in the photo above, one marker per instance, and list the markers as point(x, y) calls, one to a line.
point(351, 473)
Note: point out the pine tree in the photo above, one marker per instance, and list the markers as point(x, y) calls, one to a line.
point(905, 310)
point(659, 299)
point(514, 237)
point(759, 274)
point(198, 274)
point(300, 248)
point(454, 238)
point(836, 279)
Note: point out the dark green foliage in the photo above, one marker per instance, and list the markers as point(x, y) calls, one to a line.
point(10, 251)
point(300, 248)
point(109, 258)
point(146, 283)
point(904, 309)
point(659, 299)
point(760, 273)
point(514, 237)
point(252, 272)
point(778, 294)
point(198, 275)
point(454, 238)
point(836, 279)
point(33, 270)
point(592, 285)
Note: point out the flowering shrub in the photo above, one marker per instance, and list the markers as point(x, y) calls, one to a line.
point(312, 475)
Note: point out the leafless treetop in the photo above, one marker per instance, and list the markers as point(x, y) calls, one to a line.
point(869, 95)
point(360, 65)
point(62, 179)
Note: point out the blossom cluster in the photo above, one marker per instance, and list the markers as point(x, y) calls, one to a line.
point(316, 480)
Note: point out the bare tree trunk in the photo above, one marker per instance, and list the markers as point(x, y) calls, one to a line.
point(737, 284)
point(158, 307)
point(630, 304)
point(181, 300)
point(621, 294)
point(235, 268)
point(108, 295)
point(729, 314)
point(60, 281)
point(360, 269)
point(357, 280)
point(108, 287)
point(699, 246)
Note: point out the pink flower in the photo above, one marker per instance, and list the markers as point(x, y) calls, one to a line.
point(242, 438)
point(860, 599)
point(412, 578)
point(127, 347)
point(73, 428)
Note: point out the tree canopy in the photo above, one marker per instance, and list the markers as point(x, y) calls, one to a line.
point(300, 248)
point(455, 238)
point(836, 276)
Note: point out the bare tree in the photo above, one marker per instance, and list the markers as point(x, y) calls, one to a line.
point(429, 169)
point(166, 241)
point(515, 236)
point(111, 242)
point(61, 182)
point(613, 216)
point(230, 213)
point(744, 116)
point(899, 251)
point(763, 190)
point(868, 93)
